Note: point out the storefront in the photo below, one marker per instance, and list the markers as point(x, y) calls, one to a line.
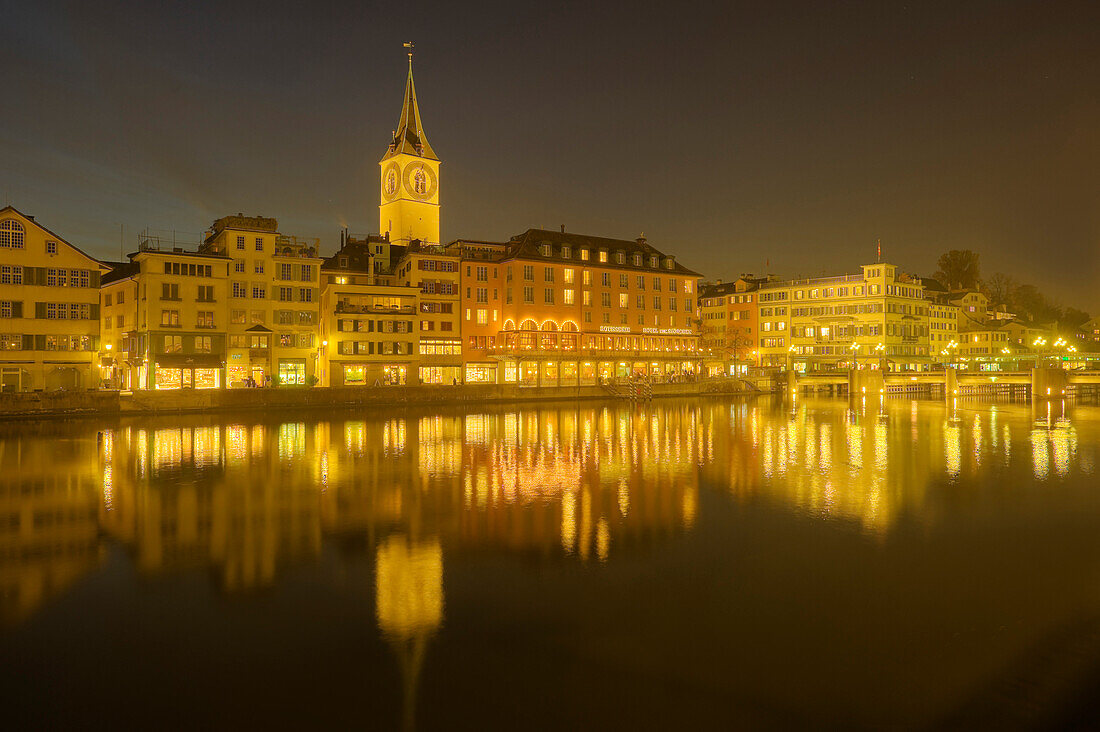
point(481, 373)
point(292, 372)
point(195, 371)
point(239, 376)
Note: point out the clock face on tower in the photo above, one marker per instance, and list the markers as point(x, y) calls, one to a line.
point(420, 181)
point(391, 184)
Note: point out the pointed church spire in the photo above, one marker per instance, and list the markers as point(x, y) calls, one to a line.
point(409, 137)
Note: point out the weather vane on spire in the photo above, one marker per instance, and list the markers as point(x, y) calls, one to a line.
point(410, 45)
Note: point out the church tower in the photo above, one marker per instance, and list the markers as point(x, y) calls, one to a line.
point(409, 205)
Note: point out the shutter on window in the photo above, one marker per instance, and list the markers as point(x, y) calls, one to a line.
point(95, 312)
point(96, 278)
point(28, 342)
point(17, 309)
point(40, 343)
point(40, 310)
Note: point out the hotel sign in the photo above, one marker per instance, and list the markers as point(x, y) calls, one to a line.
point(614, 328)
point(668, 331)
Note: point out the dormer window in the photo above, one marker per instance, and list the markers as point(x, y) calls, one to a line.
point(620, 257)
point(566, 252)
point(637, 260)
point(545, 250)
point(653, 261)
point(584, 255)
point(669, 263)
point(344, 262)
point(603, 256)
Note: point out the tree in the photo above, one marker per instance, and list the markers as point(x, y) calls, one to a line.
point(959, 269)
point(998, 288)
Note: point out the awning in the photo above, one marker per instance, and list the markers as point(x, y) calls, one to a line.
point(190, 360)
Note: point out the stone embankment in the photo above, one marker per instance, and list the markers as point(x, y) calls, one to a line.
point(111, 403)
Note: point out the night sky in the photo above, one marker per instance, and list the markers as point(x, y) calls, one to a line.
point(731, 134)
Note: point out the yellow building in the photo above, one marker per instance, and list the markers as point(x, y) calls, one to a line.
point(164, 319)
point(274, 301)
point(369, 334)
point(876, 318)
point(434, 271)
point(409, 192)
point(49, 308)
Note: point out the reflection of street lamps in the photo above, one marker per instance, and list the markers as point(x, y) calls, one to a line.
point(880, 349)
point(789, 352)
point(855, 355)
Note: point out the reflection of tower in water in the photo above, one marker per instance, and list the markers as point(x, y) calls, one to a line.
point(409, 605)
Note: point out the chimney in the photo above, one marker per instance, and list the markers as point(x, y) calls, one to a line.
point(563, 228)
point(719, 281)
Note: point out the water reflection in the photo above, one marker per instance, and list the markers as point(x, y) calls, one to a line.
point(246, 501)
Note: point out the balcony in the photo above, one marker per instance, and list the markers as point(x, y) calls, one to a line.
point(347, 309)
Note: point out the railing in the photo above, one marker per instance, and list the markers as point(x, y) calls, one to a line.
point(816, 281)
point(372, 310)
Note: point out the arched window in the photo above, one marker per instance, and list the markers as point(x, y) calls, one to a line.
point(527, 337)
point(509, 324)
point(12, 234)
point(570, 339)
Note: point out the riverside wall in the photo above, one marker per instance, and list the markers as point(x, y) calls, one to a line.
point(109, 403)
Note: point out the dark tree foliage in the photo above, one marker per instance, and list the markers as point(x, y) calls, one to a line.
point(959, 269)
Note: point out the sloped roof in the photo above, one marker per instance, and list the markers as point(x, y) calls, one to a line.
point(528, 246)
point(409, 137)
point(62, 239)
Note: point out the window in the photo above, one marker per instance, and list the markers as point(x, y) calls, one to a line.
point(13, 235)
point(169, 291)
point(624, 280)
point(206, 293)
point(170, 318)
point(202, 344)
point(258, 266)
point(603, 256)
point(305, 294)
point(548, 296)
point(567, 276)
point(566, 251)
point(258, 292)
point(51, 247)
point(205, 319)
point(586, 278)
point(605, 279)
point(528, 273)
point(482, 316)
point(528, 295)
point(586, 298)
point(483, 294)
point(238, 265)
point(173, 343)
point(548, 274)
point(240, 242)
point(240, 289)
point(605, 299)
point(286, 294)
point(259, 244)
point(482, 274)
point(624, 300)
point(641, 282)
point(567, 297)
point(237, 317)
point(584, 255)
point(12, 275)
point(307, 273)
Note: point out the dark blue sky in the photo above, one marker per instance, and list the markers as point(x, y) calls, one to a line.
point(730, 133)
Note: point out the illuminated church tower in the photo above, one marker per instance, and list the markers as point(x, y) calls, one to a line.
point(409, 207)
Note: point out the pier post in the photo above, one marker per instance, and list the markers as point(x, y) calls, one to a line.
point(950, 382)
point(1048, 383)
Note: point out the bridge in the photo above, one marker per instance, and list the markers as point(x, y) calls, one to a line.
point(1041, 382)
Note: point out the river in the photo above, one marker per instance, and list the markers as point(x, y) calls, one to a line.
point(690, 563)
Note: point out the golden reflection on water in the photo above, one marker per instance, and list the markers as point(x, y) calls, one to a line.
point(581, 483)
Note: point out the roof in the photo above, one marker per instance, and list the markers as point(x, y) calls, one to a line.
point(528, 246)
point(409, 137)
point(120, 271)
point(358, 253)
point(62, 239)
point(258, 329)
point(931, 285)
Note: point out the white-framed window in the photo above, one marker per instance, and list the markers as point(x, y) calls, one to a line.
point(240, 243)
point(12, 234)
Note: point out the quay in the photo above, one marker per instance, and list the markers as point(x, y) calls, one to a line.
point(1036, 383)
point(22, 405)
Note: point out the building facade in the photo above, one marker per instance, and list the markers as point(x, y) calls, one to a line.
point(876, 319)
point(274, 301)
point(368, 333)
point(560, 308)
point(49, 309)
point(164, 319)
point(729, 325)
